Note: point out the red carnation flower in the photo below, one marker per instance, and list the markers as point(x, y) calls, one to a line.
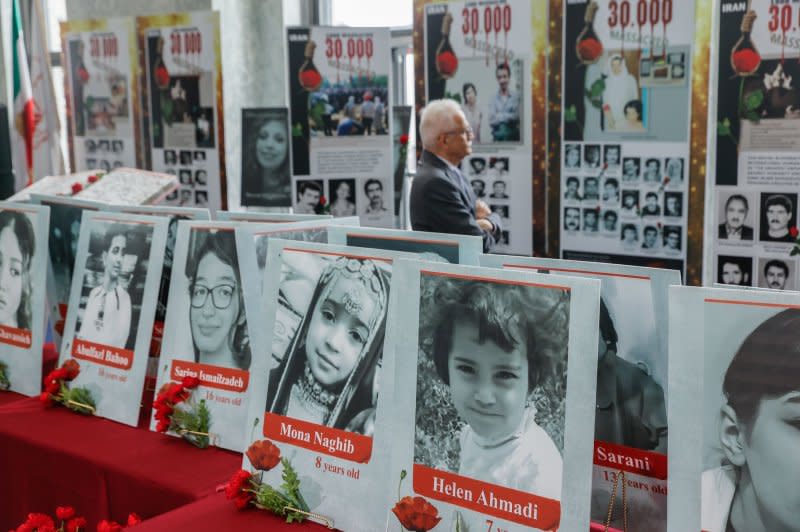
point(162, 425)
point(190, 382)
point(93, 178)
point(76, 187)
point(76, 524)
point(162, 77)
point(65, 513)
point(46, 399)
point(83, 74)
point(323, 200)
point(108, 526)
point(403, 139)
point(236, 489)
point(793, 231)
point(264, 455)
point(416, 514)
point(72, 369)
point(134, 519)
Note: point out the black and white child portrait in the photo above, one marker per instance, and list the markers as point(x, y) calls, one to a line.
point(17, 244)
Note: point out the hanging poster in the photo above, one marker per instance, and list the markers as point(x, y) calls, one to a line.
point(631, 404)
point(323, 398)
point(491, 429)
point(340, 83)
point(481, 57)
point(182, 74)
point(101, 81)
point(266, 174)
point(754, 167)
point(436, 247)
point(626, 124)
point(112, 307)
point(733, 404)
point(23, 271)
point(62, 244)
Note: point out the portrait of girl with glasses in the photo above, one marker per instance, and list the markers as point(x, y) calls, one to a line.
point(216, 308)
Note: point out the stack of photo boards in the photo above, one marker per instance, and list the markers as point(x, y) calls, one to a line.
point(401, 372)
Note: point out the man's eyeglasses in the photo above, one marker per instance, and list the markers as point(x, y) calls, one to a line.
point(464, 131)
point(221, 295)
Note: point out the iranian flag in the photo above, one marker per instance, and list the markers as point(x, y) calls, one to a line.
point(24, 108)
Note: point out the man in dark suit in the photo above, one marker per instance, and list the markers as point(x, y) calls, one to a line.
point(736, 208)
point(442, 199)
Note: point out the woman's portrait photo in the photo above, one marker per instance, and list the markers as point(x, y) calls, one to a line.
point(751, 433)
point(113, 283)
point(217, 320)
point(343, 202)
point(266, 180)
point(472, 111)
point(491, 382)
point(329, 373)
point(17, 245)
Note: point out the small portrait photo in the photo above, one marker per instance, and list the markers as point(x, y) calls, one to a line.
point(499, 189)
point(591, 189)
point(104, 145)
point(204, 128)
point(501, 210)
point(651, 206)
point(610, 220)
point(498, 169)
point(733, 270)
point(374, 198)
point(186, 197)
point(170, 157)
point(116, 146)
point(329, 373)
point(630, 202)
point(611, 190)
point(90, 145)
point(673, 168)
point(477, 167)
point(629, 236)
point(186, 158)
point(201, 198)
point(673, 204)
point(492, 369)
point(309, 192)
point(591, 156)
point(17, 245)
point(630, 168)
point(478, 187)
point(266, 179)
point(200, 178)
point(650, 238)
point(777, 274)
point(652, 170)
point(572, 188)
point(572, 156)
point(678, 71)
point(572, 219)
point(612, 157)
point(214, 301)
point(590, 220)
point(778, 217)
point(185, 177)
point(199, 156)
point(343, 197)
point(673, 236)
point(113, 283)
point(735, 220)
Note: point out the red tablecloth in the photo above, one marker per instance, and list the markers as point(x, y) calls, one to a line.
point(10, 397)
point(51, 457)
point(217, 513)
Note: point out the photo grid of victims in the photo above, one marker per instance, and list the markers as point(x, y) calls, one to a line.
point(640, 200)
point(192, 172)
point(489, 177)
point(104, 154)
point(362, 196)
point(755, 233)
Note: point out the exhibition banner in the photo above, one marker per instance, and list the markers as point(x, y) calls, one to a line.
point(112, 307)
point(206, 330)
point(733, 406)
point(23, 271)
point(436, 247)
point(324, 398)
point(340, 95)
point(631, 403)
point(494, 396)
point(625, 146)
point(101, 84)
point(754, 169)
point(182, 125)
point(481, 56)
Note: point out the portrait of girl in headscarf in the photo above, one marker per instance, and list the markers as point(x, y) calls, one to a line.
point(329, 373)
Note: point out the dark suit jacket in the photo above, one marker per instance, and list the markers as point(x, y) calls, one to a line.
point(439, 203)
point(747, 232)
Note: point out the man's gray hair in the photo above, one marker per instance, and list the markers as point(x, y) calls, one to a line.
point(438, 117)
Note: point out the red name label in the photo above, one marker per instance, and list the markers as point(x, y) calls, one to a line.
point(232, 380)
point(490, 499)
point(326, 440)
point(645, 463)
point(15, 337)
point(105, 355)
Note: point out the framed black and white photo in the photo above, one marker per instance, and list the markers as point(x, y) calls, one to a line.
point(266, 173)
